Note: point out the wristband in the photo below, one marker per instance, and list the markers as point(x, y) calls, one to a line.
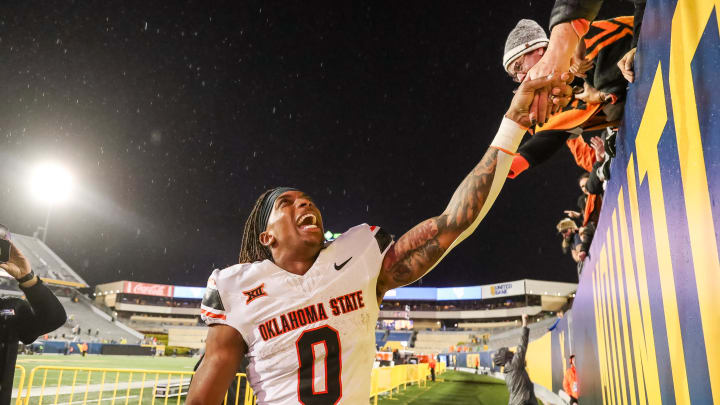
point(508, 136)
point(26, 277)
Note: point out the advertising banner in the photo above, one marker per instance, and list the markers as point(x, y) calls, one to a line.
point(160, 290)
point(503, 289)
point(188, 292)
point(412, 293)
point(459, 293)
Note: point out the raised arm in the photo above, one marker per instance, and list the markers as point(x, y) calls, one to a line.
point(421, 248)
point(518, 360)
point(224, 352)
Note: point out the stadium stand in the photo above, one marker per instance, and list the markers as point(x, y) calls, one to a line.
point(192, 337)
point(468, 319)
point(400, 336)
point(511, 337)
point(489, 326)
point(160, 323)
point(87, 318)
point(87, 321)
point(398, 340)
point(440, 342)
point(151, 308)
point(46, 264)
point(472, 315)
point(449, 307)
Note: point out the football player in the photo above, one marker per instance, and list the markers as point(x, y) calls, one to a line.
point(304, 312)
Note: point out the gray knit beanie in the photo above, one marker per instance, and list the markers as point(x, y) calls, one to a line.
point(527, 36)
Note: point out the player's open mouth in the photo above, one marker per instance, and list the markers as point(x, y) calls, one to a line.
point(308, 222)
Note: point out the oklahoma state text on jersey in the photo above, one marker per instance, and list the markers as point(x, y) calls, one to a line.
point(310, 338)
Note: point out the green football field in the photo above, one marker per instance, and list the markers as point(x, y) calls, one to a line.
point(454, 387)
point(68, 387)
point(132, 388)
point(100, 361)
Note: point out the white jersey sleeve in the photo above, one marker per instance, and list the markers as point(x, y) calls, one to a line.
point(382, 241)
point(212, 308)
point(216, 305)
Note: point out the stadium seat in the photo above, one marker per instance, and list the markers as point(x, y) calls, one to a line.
point(83, 314)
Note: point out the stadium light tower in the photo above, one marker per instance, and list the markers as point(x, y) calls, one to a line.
point(51, 184)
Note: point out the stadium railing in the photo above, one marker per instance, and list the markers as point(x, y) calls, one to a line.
point(21, 381)
point(57, 384)
point(69, 385)
point(388, 379)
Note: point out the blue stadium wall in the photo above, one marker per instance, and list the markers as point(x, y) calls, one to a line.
point(645, 325)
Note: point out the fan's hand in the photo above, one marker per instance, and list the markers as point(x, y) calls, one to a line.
point(520, 106)
point(18, 266)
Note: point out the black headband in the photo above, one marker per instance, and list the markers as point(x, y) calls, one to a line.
point(268, 203)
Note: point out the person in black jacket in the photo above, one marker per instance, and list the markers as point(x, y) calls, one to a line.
point(521, 389)
point(24, 320)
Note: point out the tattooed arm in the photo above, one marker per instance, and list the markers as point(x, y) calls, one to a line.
point(421, 248)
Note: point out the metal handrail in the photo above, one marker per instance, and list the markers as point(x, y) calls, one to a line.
point(18, 401)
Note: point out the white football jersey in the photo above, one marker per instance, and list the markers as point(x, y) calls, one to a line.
point(311, 338)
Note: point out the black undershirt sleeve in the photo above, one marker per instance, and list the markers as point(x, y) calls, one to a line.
point(569, 10)
point(541, 146)
point(45, 314)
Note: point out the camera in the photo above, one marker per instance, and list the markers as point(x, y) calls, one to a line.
point(4, 244)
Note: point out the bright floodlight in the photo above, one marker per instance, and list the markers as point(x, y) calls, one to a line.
point(51, 183)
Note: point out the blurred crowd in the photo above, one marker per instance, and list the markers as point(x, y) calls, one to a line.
point(158, 301)
point(601, 55)
point(469, 305)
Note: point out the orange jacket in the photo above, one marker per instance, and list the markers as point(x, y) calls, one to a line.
point(585, 157)
point(584, 154)
point(570, 382)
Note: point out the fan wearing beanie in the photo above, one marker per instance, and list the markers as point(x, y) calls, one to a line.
point(524, 47)
point(601, 89)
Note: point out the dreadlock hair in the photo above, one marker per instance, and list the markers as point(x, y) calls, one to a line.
point(251, 249)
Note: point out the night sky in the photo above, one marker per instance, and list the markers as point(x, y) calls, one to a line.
point(174, 117)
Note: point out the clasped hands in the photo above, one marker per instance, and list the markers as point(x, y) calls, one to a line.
point(535, 100)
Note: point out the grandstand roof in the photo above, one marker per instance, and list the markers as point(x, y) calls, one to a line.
point(489, 291)
point(159, 290)
point(539, 287)
point(45, 263)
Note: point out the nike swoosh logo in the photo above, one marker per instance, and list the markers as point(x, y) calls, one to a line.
point(341, 264)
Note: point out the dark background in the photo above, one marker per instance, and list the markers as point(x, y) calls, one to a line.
point(174, 117)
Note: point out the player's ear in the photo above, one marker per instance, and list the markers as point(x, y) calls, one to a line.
point(266, 239)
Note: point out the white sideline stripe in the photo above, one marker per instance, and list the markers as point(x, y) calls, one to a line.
point(95, 400)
